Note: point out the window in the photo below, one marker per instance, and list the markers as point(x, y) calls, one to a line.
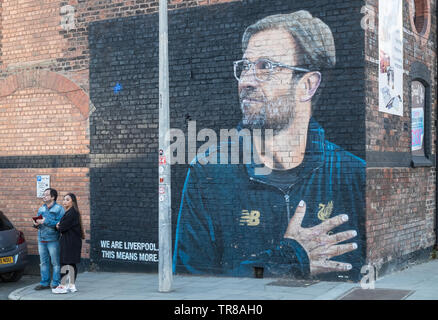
point(420, 104)
point(4, 223)
point(419, 11)
point(419, 15)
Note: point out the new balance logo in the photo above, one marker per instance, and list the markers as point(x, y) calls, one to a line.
point(250, 218)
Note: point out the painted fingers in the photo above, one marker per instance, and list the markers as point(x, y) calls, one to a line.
point(329, 266)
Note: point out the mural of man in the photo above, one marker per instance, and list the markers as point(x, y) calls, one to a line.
point(304, 218)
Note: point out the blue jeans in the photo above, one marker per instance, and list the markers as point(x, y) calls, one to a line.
point(49, 252)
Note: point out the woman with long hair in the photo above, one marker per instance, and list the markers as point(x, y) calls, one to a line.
point(72, 234)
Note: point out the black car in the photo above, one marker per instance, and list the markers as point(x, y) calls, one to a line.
point(13, 251)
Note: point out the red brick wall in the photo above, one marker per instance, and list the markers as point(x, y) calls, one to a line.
point(30, 31)
point(386, 132)
point(44, 123)
point(400, 212)
point(44, 108)
point(19, 202)
point(400, 200)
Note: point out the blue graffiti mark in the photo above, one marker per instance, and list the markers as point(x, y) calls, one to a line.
point(117, 88)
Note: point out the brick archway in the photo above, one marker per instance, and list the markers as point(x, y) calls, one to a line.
point(48, 80)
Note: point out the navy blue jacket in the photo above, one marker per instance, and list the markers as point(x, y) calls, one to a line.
point(232, 220)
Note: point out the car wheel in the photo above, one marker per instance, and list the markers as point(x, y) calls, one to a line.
point(12, 276)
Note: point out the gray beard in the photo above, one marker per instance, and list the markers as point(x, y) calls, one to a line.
point(276, 115)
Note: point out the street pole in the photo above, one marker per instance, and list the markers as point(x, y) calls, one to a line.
point(164, 192)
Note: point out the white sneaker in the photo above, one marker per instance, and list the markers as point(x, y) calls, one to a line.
point(60, 289)
point(72, 288)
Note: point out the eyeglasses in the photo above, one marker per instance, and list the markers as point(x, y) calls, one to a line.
point(263, 68)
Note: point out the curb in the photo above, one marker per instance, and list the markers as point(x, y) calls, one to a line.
point(17, 294)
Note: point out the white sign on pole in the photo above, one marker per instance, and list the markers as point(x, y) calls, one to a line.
point(391, 57)
point(43, 182)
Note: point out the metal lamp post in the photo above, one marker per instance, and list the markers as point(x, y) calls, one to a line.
point(164, 192)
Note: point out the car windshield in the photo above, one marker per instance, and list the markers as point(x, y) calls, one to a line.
point(4, 223)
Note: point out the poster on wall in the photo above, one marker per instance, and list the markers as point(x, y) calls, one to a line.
point(417, 116)
point(391, 57)
point(417, 128)
point(43, 182)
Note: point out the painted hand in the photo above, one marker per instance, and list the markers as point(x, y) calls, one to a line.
point(320, 246)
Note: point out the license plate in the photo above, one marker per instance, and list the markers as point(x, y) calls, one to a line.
point(6, 260)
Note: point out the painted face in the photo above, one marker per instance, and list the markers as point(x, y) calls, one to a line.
point(67, 202)
point(269, 104)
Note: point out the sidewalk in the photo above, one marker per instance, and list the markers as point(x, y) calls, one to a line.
point(421, 280)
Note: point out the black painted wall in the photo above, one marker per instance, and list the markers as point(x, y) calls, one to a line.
point(203, 43)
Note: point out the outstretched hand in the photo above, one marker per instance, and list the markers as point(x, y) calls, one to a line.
point(320, 246)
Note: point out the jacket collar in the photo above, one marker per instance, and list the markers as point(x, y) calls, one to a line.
point(313, 160)
point(54, 204)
